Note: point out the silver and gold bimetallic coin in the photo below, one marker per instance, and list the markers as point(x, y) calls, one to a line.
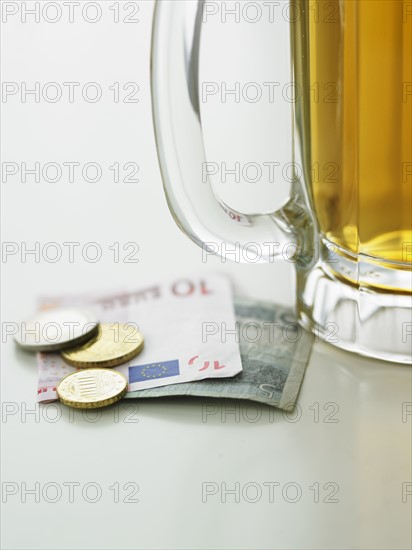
point(92, 388)
point(114, 344)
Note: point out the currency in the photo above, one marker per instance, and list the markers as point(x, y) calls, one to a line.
point(113, 345)
point(183, 321)
point(57, 329)
point(92, 388)
point(275, 351)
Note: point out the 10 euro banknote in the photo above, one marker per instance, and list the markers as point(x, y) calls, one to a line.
point(175, 318)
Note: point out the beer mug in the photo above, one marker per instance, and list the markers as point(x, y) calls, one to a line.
point(348, 234)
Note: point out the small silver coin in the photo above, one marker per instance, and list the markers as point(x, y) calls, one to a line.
point(56, 329)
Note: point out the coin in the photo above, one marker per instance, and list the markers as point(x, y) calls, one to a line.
point(92, 388)
point(114, 344)
point(56, 329)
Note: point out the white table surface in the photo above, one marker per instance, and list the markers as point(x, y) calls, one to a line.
point(173, 451)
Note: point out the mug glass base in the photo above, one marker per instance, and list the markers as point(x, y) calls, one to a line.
point(357, 303)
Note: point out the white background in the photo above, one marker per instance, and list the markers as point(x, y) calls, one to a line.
point(175, 446)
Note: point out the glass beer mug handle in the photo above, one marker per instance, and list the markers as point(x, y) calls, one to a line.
point(209, 222)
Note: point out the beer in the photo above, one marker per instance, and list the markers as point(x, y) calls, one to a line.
point(348, 213)
point(353, 64)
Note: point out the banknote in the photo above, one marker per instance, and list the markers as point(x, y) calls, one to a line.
point(275, 351)
point(181, 321)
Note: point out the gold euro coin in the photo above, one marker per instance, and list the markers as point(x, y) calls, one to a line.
point(92, 388)
point(114, 344)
